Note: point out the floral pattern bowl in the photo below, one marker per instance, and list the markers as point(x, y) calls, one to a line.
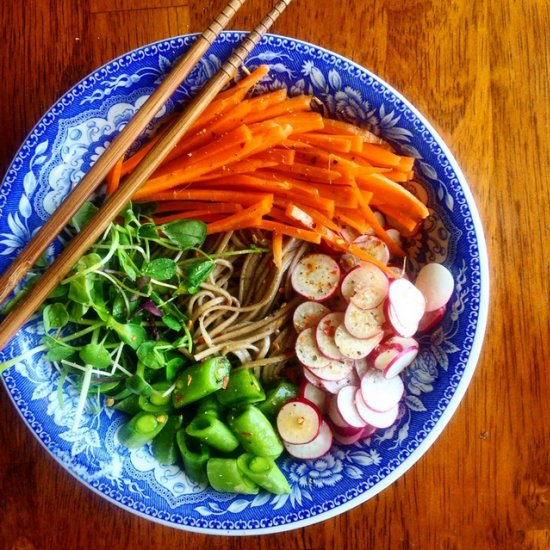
point(70, 137)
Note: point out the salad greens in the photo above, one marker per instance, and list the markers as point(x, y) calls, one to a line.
point(114, 327)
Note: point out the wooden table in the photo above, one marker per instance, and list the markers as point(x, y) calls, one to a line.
point(480, 72)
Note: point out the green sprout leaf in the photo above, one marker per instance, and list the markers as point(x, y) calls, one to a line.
point(55, 316)
point(185, 233)
point(161, 269)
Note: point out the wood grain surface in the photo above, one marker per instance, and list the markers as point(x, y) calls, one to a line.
point(480, 72)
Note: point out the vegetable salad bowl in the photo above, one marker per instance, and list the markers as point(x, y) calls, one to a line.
point(68, 140)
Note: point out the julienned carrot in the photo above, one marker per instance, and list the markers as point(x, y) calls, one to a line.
point(308, 172)
point(230, 120)
point(298, 185)
point(193, 169)
point(247, 82)
point(203, 216)
point(113, 177)
point(320, 218)
point(302, 122)
point(353, 221)
point(340, 127)
point(378, 156)
point(184, 206)
point(343, 195)
point(242, 182)
point(277, 249)
point(375, 224)
point(407, 224)
point(293, 105)
point(290, 230)
point(390, 192)
point(243, 219)
point(205, 194)
point(333, 143)
point(323, 204)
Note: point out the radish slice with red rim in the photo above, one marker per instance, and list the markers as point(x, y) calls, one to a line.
point(375, 418)
point(366, 286)
point(355, 348)
point(400, 362)
point(324, 335)
point(405, 306)
point(316, 277)
point(373, 246)
point(316, 448)
point(363, 323)
point(345, 402)
point(307, 351)
point(298, 421)
point(341, 439)
point(334, 386)
point(336, 419)
point(431, 318)
point(385, 355)
point(436, 283)
point(381, 393)
point(314, 394)
point(334, 370)
point(308, 314)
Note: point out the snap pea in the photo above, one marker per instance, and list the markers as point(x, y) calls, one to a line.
point(243, 387)
point(209, 405)
point(225, 476)
point(263, 471)
point(164, 446)
point(213, 432)
point(276, 397)
point(194, 454)
point(141, 429)
point(128, 405)
point(200, 380)
point(157, 401)
point(255, 432)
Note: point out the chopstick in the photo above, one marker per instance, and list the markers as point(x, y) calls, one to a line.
point(36, 295)
point(97, 173)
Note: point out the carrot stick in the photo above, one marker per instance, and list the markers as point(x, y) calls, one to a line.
point(247, 82)
point(297, 185)
point(293, 105)
point(216, 195)
point(340, 127)
point(113, 177)
point(245, 218)
point(291, 231)
point(378, 156)
point(180, 206)
point(277, 249)
point(320, 218)
point(353, 221)
point(332, 143)
point(409, 224)
point(308, 172)
point(205, 217)
point(342, 195)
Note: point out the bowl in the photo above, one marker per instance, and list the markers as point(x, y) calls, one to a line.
point(71, 136)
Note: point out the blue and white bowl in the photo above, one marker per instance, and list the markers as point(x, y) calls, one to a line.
point(59, 151)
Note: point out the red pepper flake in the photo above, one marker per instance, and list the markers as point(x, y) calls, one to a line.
point(178, 398)
point(225, 382)
point(246, 434)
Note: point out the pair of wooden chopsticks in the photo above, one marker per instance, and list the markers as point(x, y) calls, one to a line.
point(36, 295)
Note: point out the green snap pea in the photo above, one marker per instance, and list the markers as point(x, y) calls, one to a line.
point(209, 405)
point(195, 455)
point(255, 432)
point(141, 428)
point(164, 447)
point(263, 471)
point(200, 380)
point(157, 401)
point(276, 397)
point(243, 387)
point(213, 432)
point(224, 476)
point(128, 405)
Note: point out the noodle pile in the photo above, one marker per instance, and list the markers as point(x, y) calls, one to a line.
point(245, 307)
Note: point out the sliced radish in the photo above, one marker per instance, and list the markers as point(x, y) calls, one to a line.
point(341, 439)
point(337, 421)
point(316, 277)
point(436, 283)
point(308, 314)
point(349, 262)
point(405, 306)
point(361, 366)
point(334, 370)
point(381, 393)
point(324, 335)
point(366, 286)
point(363, 323)
point(401, 341)
point(355, 348)
point(307, 351)
point(312, 379)
point(395, 236)
point(334, 386)
point(298, 421)
point(345, 402)
point(431, 318)
point(314, 394)
point(375, 418)
point(400, 362)
point(316, 448)
point(384, 355)
point(373, 246)
point(337, 302)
